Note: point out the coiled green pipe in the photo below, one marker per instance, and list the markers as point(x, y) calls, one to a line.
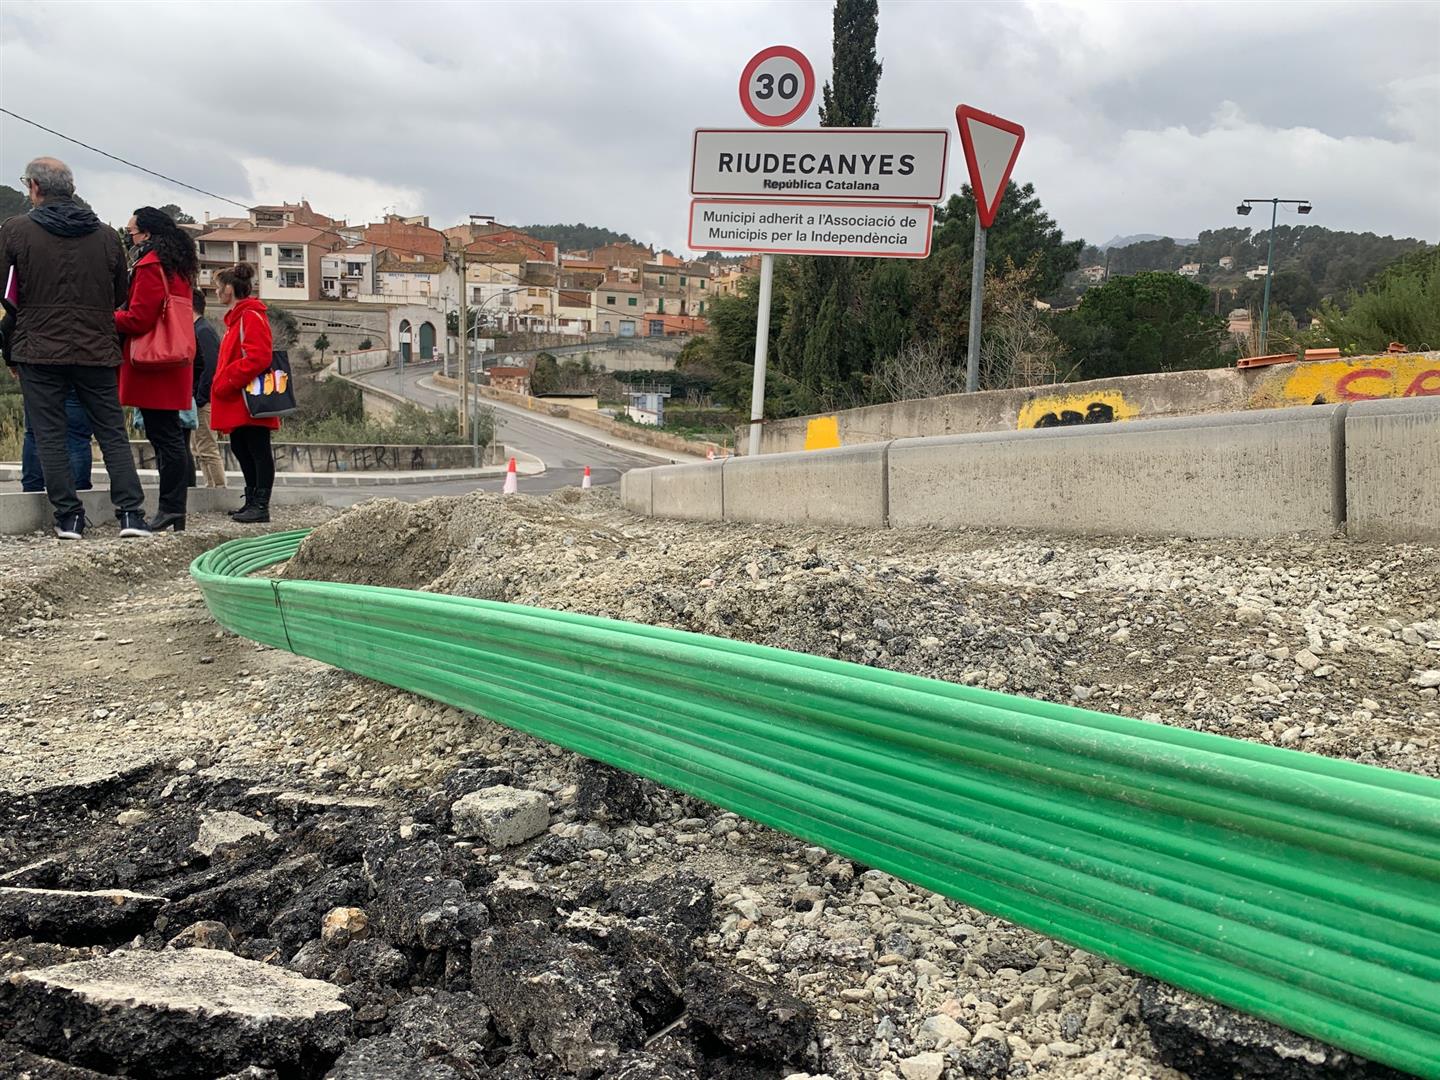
point(1298, 888)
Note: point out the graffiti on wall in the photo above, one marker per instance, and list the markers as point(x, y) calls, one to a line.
point(1335, 381)
point(1064, 410)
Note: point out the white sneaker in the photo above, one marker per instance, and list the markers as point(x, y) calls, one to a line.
point(132, 523)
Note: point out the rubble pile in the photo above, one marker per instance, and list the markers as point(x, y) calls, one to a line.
point(196, 823)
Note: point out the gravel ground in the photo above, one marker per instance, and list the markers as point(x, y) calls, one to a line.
point(111, 664)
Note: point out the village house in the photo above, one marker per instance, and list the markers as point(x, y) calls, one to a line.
point(1190, 270)
point(619, 309)
point(287, 259)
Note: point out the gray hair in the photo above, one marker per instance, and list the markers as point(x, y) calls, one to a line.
point(52, 176)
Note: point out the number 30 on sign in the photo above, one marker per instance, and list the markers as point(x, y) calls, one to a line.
point(777, 86)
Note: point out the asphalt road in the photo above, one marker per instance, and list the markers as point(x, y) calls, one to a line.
point(550, 480)
point(560, 449)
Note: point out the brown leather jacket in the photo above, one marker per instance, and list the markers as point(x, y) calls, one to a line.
point(72, 276)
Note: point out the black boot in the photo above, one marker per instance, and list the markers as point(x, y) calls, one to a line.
point(258, 511)
point(249, 497)
point(165, 520)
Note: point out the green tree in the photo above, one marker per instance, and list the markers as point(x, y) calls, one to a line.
point(1291, 290)
point(578, 236)
point(1022, 231)
point(850, 101)
point(12, 202)
point(545, 377)
point(321, 344)
point(1151, 321)
point(367, 343)
point(823, 350)
point(1401, 303)
point(177, 215)
point(888, 307)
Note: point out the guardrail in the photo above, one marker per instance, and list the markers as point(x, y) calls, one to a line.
point(1295, 887)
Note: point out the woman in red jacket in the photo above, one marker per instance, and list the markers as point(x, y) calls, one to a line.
point(165, 262)
point(245, 354)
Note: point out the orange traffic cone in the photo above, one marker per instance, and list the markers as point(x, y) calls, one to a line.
point(512, 480)
point(585, 482)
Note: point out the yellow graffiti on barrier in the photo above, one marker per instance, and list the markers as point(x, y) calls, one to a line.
point(1062, 410)
point(822, 433)
point(1351, 380)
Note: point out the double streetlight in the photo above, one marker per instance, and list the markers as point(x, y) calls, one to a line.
point(1302, 206)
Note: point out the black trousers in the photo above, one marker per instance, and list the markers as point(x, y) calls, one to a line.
point(162, 428)
point(45, 388)
point(251, 447)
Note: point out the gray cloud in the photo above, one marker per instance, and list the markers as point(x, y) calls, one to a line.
point(1139, 117)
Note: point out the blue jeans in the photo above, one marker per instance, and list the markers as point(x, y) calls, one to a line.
point(77, 444)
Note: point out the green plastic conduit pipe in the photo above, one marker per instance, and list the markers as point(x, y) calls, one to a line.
point(1299, 888)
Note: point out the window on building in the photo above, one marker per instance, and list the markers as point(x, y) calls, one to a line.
point(268, 251)
point(682, 279)
point(662, 279)
point(661, 309)
point(702, 307)
point(632, 301)
point(610, 299)
point(270, 274)
point(702, 283)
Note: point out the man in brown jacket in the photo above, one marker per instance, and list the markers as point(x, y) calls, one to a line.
point(69, 276)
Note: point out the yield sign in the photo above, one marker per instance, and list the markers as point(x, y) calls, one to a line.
point(991, 147)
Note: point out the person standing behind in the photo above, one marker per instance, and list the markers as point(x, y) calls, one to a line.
point(77, 443)
point(207, 351)
point(166, 264)
point(245, 354)
point(70, 274)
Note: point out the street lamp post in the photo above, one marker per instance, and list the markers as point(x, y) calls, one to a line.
point(1302, 206)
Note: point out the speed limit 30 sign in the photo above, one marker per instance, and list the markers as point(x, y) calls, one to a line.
point(777, 86)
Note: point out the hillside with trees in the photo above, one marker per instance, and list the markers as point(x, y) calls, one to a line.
point(578, 237)
point(1312, 263)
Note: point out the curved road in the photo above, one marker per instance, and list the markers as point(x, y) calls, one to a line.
point(565, 452)
point(558, 444)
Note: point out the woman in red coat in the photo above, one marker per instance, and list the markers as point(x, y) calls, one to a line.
point(166, 263)
point(245, 354)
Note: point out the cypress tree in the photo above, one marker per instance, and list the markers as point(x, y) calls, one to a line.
point(850, 101)
point(823, 345)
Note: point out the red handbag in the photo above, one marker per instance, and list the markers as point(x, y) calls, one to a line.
point(172, 339)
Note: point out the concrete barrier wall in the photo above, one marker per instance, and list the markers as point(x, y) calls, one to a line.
point(838, 487)
point(1096, 402)
point(1252, 474)
point(696, 492)
point(26, 512)
point(1240, 474)
point(637, 489)
point(341, 457)
point(1392, 469)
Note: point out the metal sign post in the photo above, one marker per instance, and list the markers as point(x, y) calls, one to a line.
point(991, 146)
point(977, 305)
point(828, 191)
point(762, 349)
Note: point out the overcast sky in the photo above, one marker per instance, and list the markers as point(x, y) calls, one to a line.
point(1140, 118)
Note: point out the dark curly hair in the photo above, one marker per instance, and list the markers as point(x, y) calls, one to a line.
point(174, 246)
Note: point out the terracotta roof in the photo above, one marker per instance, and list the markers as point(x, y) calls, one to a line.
point(302, 234)
point(249, 236)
